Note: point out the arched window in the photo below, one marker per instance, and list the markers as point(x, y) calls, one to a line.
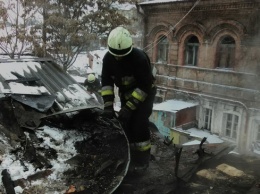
point(226, 53)
point(162, 49)
point(191, 51)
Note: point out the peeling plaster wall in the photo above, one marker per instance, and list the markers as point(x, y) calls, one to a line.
point(163, 121)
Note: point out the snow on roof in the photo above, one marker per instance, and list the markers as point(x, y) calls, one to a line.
point(79, 79)
point(173, 105)
point(200, 134)
point(10, 71)
point(211, 138)
point(124, 6)
point(45, 77)
point(158, 1)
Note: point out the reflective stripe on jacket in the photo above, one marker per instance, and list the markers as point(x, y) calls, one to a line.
point(132, 74)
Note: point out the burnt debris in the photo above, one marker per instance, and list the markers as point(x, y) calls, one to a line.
point(102, 154)
point(37, 99)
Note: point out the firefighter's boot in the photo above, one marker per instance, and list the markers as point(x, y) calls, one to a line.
point(140, 156)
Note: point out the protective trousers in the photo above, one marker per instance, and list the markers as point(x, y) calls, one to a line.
point(138, 133)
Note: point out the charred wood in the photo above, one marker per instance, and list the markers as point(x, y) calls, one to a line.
point(48, 152)
point(25, 168)
point(34, 177)
point(31, 156)
point(20, 182)
point(10, 125)
point(44, 161)
point(7, 181)
point(26, 116)
point(29, 151)
point(104, 166)
point(34, 138)
point(39, 175)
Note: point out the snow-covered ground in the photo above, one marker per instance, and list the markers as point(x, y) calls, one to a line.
point(67, 150)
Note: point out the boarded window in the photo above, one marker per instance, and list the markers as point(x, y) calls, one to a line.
point(162, 49)
point(226, 53)
point(191, 51)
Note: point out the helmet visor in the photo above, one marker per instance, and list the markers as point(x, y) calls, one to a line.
point(120, 53)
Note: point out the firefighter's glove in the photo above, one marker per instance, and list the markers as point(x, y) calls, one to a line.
point(108, 113)
point(124, 115)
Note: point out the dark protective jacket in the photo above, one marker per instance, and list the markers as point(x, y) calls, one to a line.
point(132, 74)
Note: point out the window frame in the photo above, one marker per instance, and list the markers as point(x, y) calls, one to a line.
point(191, 51)
point(230, 125)
point(225, 53)
point(207, 116)
point(162, 49)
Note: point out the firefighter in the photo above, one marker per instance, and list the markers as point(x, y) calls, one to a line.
point(92, 83)
point(130, 70)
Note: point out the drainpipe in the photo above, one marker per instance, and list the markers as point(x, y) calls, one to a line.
point(243, 140)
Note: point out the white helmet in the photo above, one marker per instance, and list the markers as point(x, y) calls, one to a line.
point(120, 42)
point(91, 78)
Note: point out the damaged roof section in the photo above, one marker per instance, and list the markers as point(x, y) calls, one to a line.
point(40, 82)
point(53, 136)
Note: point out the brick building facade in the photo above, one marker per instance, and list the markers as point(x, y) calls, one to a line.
point(209, 51)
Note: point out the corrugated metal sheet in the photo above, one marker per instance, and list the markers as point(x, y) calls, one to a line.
point(43, 77)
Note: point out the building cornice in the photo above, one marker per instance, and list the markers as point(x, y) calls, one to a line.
point(186, 6)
